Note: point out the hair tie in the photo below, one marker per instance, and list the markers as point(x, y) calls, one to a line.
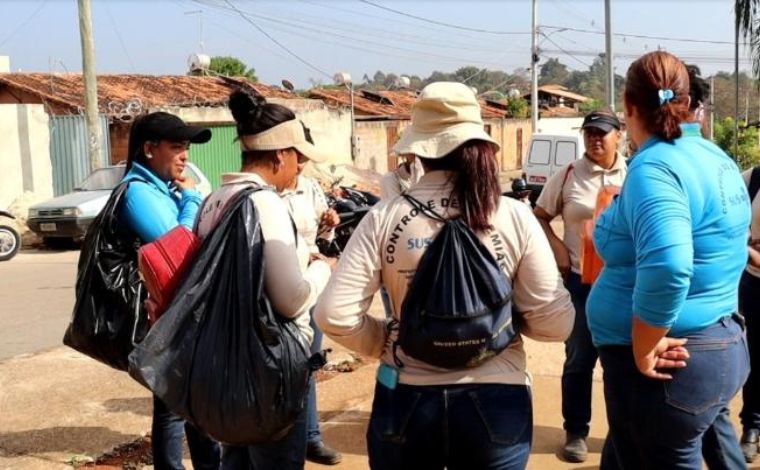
point(666, 96)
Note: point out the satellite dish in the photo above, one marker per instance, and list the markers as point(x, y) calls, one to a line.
point(514, 93)
point(342, 78)
point(198, 62)
point(403, 82)
point(288, 85)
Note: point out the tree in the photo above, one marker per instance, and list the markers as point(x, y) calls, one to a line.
point(517, 107)
point(553, 71)
point(232, 67)
point(747, 17)
point(748, 153)
point(590, 105)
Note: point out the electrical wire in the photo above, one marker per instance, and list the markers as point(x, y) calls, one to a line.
point(563, 50)
point(639, 36)
point(24, 23)
point(441, 23)
point(121, 39)
point(285, 48)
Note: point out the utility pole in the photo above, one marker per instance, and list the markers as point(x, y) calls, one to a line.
point(608, 55)
point(534, 68)
point(712, 107)
point(736, 88)
point(90, 83)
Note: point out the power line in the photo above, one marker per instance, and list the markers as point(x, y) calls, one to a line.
point(24, 23)
point(639, 36)
point(121, 40)
point(563, 50)
point(441, 23)
point(313, 67)
point(300, 32)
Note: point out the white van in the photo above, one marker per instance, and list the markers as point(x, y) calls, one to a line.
point(547, 155)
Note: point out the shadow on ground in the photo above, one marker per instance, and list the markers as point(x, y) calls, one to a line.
point(142, 406)
point(346, 431)
point(75, 440)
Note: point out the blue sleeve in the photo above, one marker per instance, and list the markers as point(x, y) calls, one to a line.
point(189, 207)
point(150, 214)
point(658, 216)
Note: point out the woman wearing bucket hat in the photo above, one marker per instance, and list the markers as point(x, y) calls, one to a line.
point(273, 144)
point(572, 193)
point(425, 416)
point(158, 199)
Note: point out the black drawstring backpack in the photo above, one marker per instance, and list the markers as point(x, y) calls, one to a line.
point(458, 310)
point(220, 356)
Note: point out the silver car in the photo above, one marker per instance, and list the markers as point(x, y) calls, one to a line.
point(68, 216)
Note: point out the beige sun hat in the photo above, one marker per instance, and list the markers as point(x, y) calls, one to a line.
point(288, 134)
point(445, 116)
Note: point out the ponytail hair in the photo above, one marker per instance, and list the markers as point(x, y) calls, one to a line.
point(657, 85)
point(476, 181)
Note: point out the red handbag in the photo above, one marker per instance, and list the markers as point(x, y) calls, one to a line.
point(163, 263)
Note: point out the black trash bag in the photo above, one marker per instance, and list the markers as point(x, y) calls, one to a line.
point(220, 356)
point(458, 310)
point(108, 317)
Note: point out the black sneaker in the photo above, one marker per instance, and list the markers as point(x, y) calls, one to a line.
point(575, 449)
point(749, 443)
point(318, 452)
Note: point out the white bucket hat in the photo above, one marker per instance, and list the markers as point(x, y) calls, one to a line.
point(445, 116)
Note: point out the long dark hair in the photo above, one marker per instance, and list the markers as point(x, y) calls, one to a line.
point(476, 181)
point(253, 114)
point(648, 75)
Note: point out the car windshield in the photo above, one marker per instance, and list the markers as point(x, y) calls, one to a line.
point(103, 179)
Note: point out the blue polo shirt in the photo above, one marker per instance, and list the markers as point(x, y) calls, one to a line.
point(152, 206)
point(674, 242)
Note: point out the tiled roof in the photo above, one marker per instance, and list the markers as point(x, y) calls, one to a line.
point(116, 92)
point(559, 90)
point(394, 104)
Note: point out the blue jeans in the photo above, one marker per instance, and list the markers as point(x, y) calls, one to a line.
point(660, 424)
point(313, 434)
point(486, 426)
point(749, 306)
point(289, 453)
point(719, 444)
point(580, 359)
point(166, 441)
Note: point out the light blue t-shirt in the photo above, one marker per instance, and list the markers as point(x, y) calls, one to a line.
point(674, 242)
point(152, 208)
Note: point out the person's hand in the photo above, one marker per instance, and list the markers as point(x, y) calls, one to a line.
point(668, 353)
point(332, 262)
point(184, 182)
point(330, 219)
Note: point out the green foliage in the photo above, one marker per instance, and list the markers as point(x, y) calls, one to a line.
point(590, 105)
point(518, 108)
point(232, 67)
point(748, 152)
point(553, 72)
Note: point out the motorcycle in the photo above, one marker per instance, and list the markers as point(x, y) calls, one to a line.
point(351, 205)
point(10, 240)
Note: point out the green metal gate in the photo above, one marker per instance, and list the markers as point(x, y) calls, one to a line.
point(219, 155)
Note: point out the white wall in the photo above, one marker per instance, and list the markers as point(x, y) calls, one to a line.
point(560, 126)
point(24, 153)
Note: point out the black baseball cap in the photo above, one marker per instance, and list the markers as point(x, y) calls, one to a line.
point(604, 121)
point(165, 126)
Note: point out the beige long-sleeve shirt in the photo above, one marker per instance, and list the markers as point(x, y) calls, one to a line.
point(306, 205)
point(385, 250)
point(573, 196)
point(292, 284)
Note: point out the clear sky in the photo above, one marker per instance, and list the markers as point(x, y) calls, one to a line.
point(157, 36)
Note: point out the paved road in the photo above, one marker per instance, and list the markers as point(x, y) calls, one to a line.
point(36, 299)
